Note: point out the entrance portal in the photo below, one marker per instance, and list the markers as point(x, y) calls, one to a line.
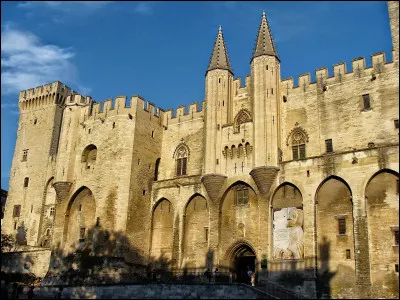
point(243, 261)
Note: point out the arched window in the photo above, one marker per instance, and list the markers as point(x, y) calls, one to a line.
point(181, 158)
point(299, 138)
point(89, 156)
point(243, 116)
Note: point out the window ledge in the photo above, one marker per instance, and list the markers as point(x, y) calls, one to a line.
point(342, 234)
point(366, 109)
point(395, 246)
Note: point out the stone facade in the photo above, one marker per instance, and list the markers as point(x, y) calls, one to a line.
point(205, 187)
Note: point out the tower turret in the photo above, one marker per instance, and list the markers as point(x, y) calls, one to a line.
point(265, 71)
point(218, 111)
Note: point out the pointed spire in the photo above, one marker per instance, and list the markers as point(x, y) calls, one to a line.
point(264, 43)
point(219, 57)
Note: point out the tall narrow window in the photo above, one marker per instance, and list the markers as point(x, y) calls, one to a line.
point(396, 123)
point(17, 211)
point(82, 232)
point(329, 146)
point(206, 233)
point(396, 236)
point(348, 254)
point(242, 196)
point(52, 211)
point(181, 156)
point(181, 166)
point(26, 181)
point(366, 101)
point(25, 155)
point(295, 150)
point(342, 226)
point(299, 144)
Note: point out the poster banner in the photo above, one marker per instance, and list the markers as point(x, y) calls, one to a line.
point(288, 233)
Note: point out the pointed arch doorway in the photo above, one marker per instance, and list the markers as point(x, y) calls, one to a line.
point(242, 259)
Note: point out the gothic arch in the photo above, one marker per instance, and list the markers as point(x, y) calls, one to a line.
point(287, 216)
point(196, 223)
point(297, 135)
point(329, 178)
point(382, 210)
point(236, 246)
point(80, 217)
point(369, 179)
point(182, 150)
point(335, 251)
point(162, 229)
point(191, 198)
point(243, 116)
point(236, 183)
point(158, 202)
point(281, 185)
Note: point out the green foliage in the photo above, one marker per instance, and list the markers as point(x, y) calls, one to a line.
point(7, 243)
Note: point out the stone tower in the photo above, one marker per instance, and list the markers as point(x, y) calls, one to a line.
point(265, 72)
point(33, 162)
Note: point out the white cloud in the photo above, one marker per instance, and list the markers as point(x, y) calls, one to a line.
point(144, 8)
point(65, 5)
point(28, 63)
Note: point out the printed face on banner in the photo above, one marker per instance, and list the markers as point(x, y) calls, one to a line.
point(288, 233)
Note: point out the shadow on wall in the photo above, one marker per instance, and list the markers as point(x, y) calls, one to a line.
point(107, 257)
point(324, 276)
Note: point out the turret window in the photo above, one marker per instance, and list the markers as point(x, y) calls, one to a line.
point(17, 211)
point(25, 155)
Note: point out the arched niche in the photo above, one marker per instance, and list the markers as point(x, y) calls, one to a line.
point(79, 219)
point(162, 230)
point(335, 237)
point(287, 223)
point(238, 210)
point(89, 156)
point(196, 232)
point(382, 203)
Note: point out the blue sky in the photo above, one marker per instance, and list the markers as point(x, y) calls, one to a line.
point(161, 50)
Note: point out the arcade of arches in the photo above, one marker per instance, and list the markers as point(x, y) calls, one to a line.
point(292, 232)
point(319, 233)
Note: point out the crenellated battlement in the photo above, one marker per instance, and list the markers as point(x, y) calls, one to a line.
point(238, 87)
point(182, 113)
point(339, 75)
point(51, 93)
point(119, 106)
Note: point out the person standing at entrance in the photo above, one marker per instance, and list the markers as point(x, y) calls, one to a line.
point(249, 272)
point(253, 279)
point(216, 275)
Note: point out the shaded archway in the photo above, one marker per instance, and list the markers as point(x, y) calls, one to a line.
point(287, 223)
point(335, 237)
point(242, 258)
point(196, 232)
point(162, 236)
point(238, 212)
point(79, 219)
point(382, 204)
